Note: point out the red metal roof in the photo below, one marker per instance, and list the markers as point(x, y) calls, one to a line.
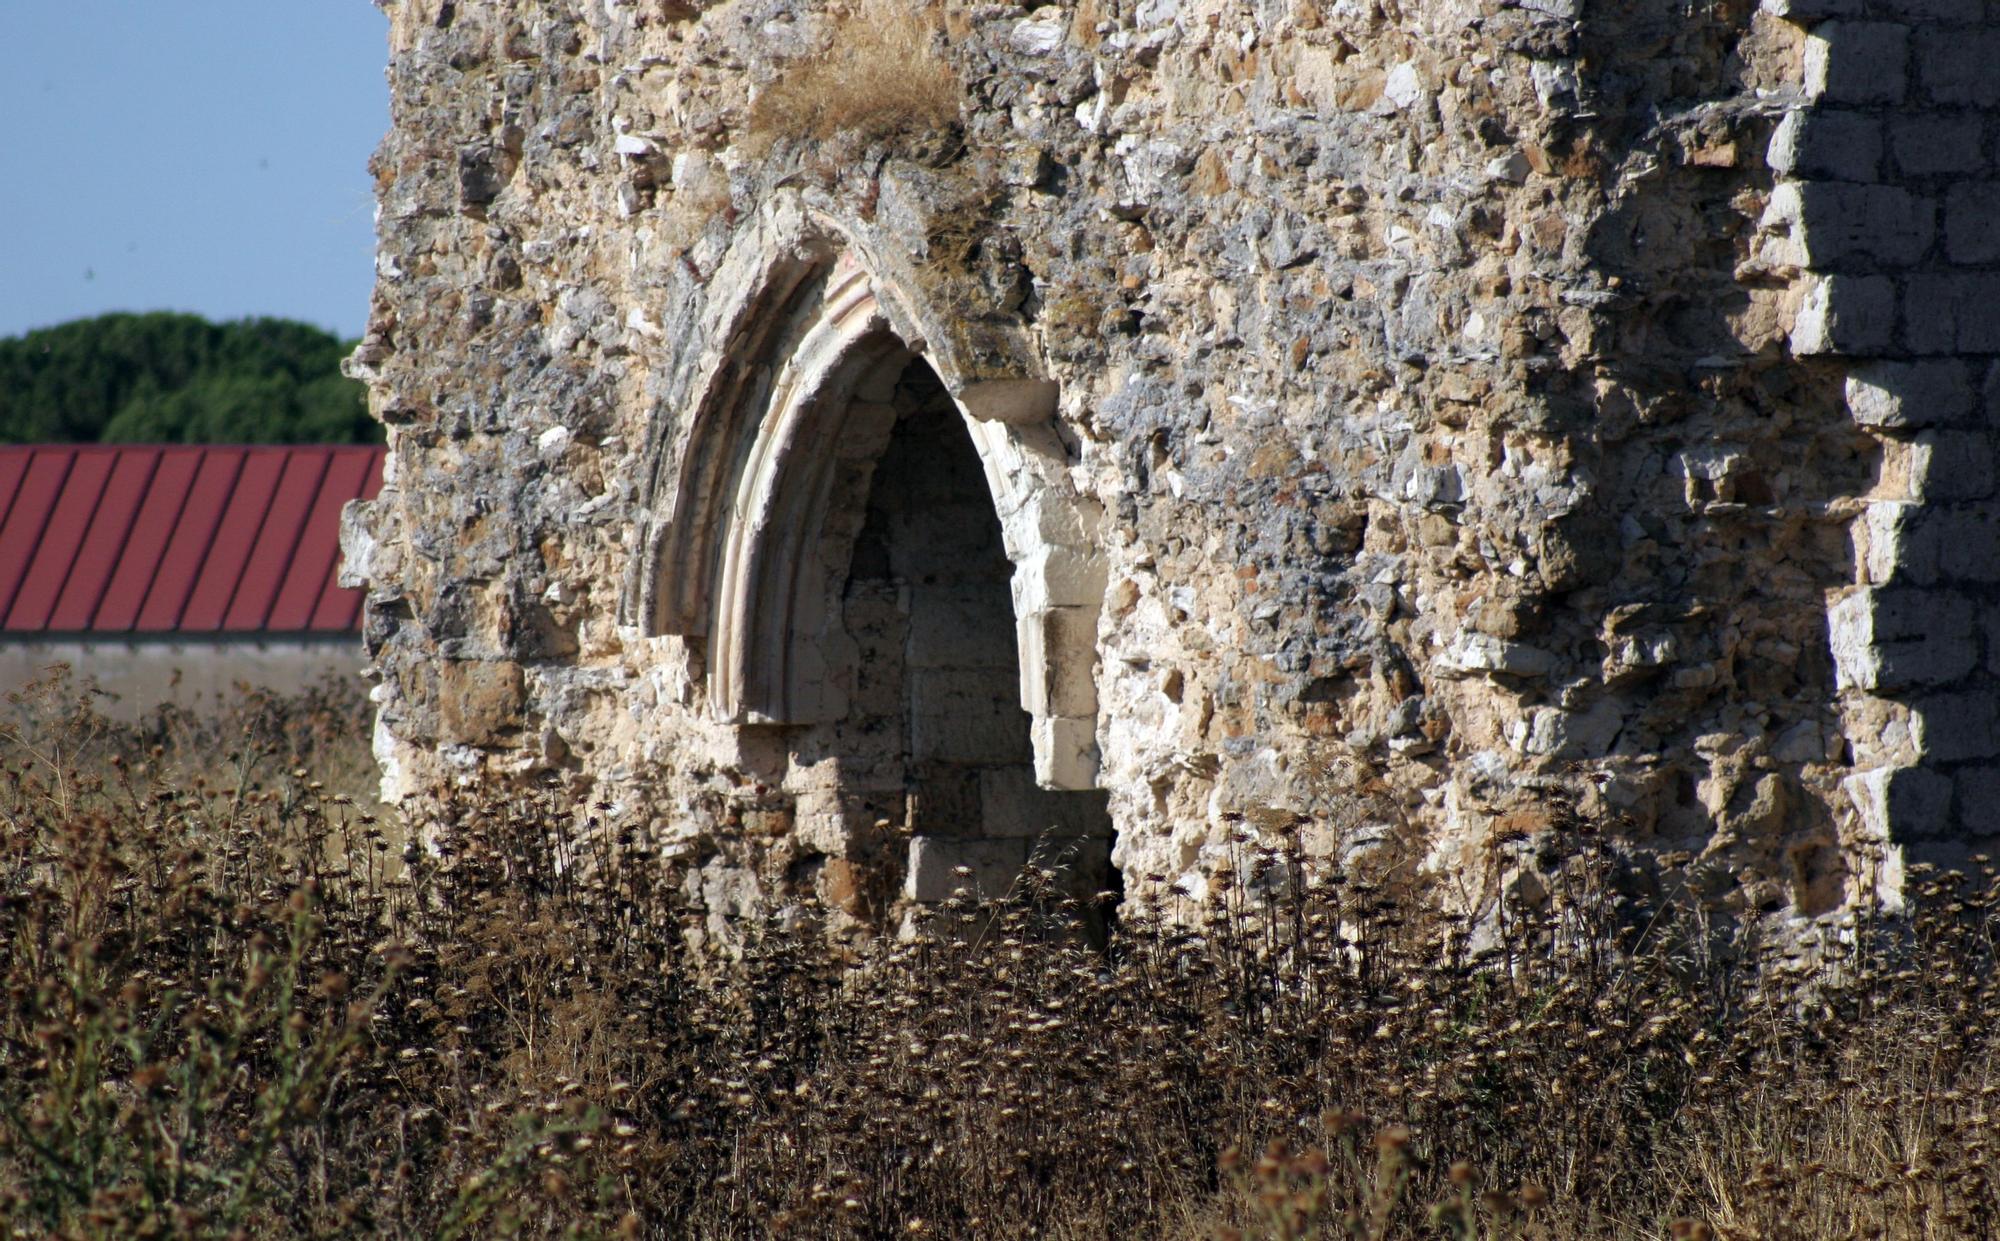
point(164, 539)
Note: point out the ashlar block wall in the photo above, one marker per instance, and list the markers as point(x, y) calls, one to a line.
point(1890, 197)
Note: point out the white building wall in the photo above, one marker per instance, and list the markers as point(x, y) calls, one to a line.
point(140, 675)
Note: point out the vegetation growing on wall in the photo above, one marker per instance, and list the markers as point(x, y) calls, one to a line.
point(178, 378)
point(880, 76)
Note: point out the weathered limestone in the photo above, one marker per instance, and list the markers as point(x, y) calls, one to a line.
point(1389, 416)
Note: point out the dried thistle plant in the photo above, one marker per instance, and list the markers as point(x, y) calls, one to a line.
point(231, 1003)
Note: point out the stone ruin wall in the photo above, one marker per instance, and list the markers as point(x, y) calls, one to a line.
point(1402, 415)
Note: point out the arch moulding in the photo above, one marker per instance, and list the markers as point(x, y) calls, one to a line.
point(775, 414)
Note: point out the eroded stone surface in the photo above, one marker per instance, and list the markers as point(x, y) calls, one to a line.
point(1396, 414)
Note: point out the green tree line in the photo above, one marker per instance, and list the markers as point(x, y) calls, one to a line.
point(165, 378)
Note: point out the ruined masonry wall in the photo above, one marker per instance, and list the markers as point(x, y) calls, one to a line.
point(1402, 416)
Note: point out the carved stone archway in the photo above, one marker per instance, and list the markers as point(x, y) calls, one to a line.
point(775, 416)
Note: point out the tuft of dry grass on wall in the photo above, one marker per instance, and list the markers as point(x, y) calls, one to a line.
point(879, 77)
point(233, 1004)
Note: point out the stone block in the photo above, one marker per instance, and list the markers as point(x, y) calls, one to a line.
point(959, 716)
point(1956, 67)
point(1058, 655)
point(1936, 144)
point(1052, 577)
point(1930, 323)
point(821, 828)
point(1971, 849)
point(1951, 728)
point(1957, 312)
point(1897, 805)
point(1953, 465)
point(1834, 145)
point(844, 885)
point(1846, 226)
point(941, 541)
point(1969, 544)
point(813, 690)
point(478, 699)
point(1035, 520)
point(1846, 314)
point(1813, 10)
point(1895, 395)
point(1922, 661)
point(1856, 662)
point(1803, 742)
point(1867, 792)
point(841, 822)
point(1855, 62)
point(1917, 804)
point(480, 179)
point(1889, 638)
point(877, 691)
point(956, 629)
point(363, 558)
point(1978, 799)
point(1574, 734)
point(939, 867)
point(1065, 752)
point(1900, 613)
point(945, 799)
point(1961, 11)
point(1480, 654)
point(1896, 545)
point(1011, 804)
point(1972, 220)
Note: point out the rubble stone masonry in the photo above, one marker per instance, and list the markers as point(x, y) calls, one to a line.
point(1404, 418)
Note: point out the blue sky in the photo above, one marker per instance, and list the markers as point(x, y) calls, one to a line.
point(203, 155)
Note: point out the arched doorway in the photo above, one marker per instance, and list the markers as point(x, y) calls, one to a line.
point(935, 680)
point(865, 532)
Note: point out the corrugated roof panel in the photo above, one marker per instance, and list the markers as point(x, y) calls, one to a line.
point(273, 556)
point(168, 538)
point(13, 468)
point(29, 514)
point(139, 560)
point(104, 543)
point(62, 537)
point(337, 609)
point(229, 554)
point(187, 552)
point(312, 566)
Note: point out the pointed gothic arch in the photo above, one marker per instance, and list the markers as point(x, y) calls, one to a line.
point(751, 492)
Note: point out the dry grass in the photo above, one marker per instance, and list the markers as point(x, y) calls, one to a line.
point(247, 737)
point(879, 78)
point(238, 1008)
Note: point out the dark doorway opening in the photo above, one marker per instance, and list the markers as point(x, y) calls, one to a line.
point(934, 698)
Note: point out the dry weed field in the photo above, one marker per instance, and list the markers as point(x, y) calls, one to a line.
point(234, 1003)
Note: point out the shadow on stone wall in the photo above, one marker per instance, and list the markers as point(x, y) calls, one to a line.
point(1723, 469)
